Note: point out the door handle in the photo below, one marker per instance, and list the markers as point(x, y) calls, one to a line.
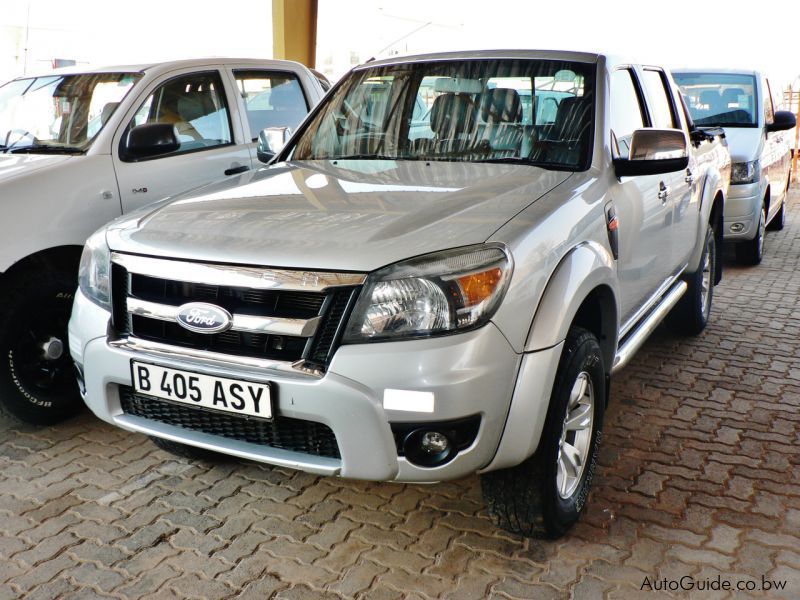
point(237, 170)
point(689, 177)
point(663, 192)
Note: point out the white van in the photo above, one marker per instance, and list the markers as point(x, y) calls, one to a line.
point(743, 104)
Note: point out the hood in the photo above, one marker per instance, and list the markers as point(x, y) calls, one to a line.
point(348, 215)
point(15, 165)
point(744, 143)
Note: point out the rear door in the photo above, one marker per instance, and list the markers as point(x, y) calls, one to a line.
point(643, 215)
point(270, 97)
point(212, 144)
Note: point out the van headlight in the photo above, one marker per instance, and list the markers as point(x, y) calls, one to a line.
point(93, 273)
point(437, 293)
point(745, 172)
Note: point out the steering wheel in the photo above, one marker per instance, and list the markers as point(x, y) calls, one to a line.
point(23, 133)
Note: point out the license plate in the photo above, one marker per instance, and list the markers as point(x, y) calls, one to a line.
point(195, 389)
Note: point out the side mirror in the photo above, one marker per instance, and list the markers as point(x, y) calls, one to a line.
point(654, 151)
point(782, 121)
point(271, 141)
point(151, 139)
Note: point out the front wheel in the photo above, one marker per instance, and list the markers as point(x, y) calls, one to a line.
point(37, 378)
point(752, 251)
point(693, 310)
point(544, 495)
point(779, 220)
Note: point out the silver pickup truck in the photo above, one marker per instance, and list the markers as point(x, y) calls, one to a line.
point(417, 295)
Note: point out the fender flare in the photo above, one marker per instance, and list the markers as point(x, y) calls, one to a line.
point(580, 272)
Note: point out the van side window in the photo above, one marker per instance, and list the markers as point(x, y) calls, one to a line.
point(662, 113)
point(769, 111)
point(626, 111)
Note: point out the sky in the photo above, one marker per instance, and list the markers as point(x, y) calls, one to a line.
point(675, 33)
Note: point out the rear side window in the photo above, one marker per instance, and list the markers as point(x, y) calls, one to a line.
point(196, 105)
point(271, 99)
point(626, 111)
point(661, 111)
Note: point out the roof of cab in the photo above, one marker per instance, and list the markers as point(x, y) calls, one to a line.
point(166, 66)
point(589, 57)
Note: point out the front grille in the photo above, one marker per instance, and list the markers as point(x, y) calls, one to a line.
point(330, 306)
point(296, 435)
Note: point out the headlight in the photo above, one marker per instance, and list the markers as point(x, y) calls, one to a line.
point(745, 172)
point(437, 293)
point(94, 270)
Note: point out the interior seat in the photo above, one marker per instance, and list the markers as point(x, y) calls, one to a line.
point(501, 112)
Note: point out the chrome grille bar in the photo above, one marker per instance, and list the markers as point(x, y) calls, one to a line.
point(236, 276)
point(246, 323)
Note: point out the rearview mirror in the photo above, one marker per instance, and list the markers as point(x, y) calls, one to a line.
point(151, 139)
point(654, 151)
point(271, 141)
point(782, 121)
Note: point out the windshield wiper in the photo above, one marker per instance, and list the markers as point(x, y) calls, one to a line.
point(365, 157)
point(513, 160)
point(45, 149)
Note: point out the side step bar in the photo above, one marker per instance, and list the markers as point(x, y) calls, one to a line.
point(642, 331)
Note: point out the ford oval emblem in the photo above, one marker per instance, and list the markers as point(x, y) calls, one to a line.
point(204, 318)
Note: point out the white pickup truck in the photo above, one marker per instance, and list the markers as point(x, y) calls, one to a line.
point(417, 298)
point(80, 147)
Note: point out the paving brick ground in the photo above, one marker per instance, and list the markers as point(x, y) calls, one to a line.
point(697, 479)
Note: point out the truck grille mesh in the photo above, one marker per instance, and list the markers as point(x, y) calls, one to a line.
point(332, 306)
point(296, 435)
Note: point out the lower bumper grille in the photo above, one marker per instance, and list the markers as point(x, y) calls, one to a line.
point(296, 435)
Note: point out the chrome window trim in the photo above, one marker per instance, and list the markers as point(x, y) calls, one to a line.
point(247, 323)
point(259, 278)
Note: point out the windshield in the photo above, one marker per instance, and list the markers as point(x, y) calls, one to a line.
point(59, 112)
point(719, 99)
point(532, 111)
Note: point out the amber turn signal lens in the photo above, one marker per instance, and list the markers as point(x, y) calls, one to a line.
point(477, 287)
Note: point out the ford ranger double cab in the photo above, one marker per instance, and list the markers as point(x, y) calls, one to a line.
point(80, 147)
point(741, 102)
point(383, 306)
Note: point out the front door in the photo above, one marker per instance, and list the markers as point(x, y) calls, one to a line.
point(643, 209)
point(198, 104)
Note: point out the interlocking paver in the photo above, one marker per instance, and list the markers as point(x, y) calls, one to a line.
point(697, 476)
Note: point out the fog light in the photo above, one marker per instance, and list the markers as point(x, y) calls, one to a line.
point(428, 448)
point(434, 442)
point(737, 227)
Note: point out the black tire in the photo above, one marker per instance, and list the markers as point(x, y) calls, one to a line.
point(184, 450)
point(34, 314)
point(779, 220)
point(692, 313)
point(525, 499)
point(752, 251)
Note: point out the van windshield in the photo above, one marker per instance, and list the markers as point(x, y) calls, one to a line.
point(515, 110)
point(59, 113)
point(719, 99)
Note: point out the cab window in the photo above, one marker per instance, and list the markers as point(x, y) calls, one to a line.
point(626, 111)
point(271, 99)
point(662, 113)
point(196, 105)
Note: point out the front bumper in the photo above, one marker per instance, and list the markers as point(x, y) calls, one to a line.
point(472, 373)
point(742, 211)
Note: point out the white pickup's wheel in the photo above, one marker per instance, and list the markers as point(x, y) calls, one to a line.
point(693, 311)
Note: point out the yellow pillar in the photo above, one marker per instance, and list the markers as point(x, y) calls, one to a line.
point(294, 30)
